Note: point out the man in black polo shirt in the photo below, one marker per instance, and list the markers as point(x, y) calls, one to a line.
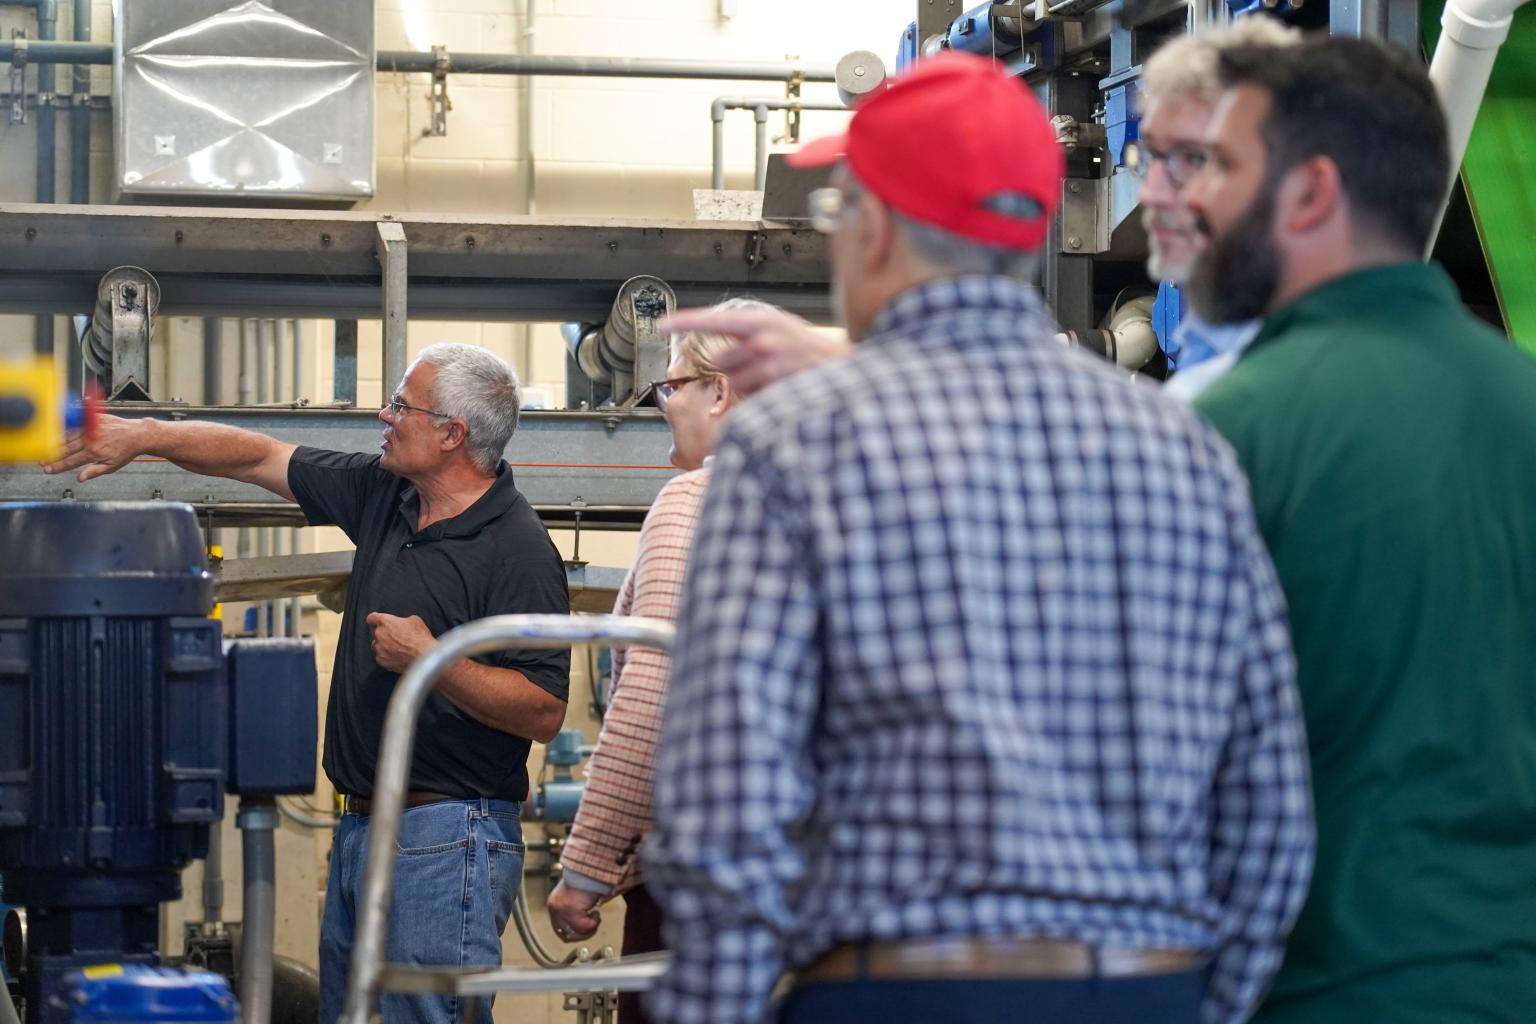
point(443, 537)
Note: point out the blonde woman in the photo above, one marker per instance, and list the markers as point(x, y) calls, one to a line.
point(600, 859)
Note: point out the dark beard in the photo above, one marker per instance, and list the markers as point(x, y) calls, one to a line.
point(1235, 277)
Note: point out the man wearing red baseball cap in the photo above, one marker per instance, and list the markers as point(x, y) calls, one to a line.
point(982, 704)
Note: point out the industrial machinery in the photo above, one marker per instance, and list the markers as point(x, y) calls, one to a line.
point(127, 721)
point(1083, 58)
point(624, 353)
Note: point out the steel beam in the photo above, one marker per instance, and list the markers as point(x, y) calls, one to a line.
point(323, 264)
point(608, 466)
point(390, 247)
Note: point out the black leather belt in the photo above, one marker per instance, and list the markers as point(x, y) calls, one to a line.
point(413, 798)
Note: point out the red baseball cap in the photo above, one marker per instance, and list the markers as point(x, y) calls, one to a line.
point(958, 144)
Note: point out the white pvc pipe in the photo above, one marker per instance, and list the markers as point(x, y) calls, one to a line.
point(1471, 33)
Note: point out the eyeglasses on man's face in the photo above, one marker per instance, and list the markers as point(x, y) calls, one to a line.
point(824, 206)
point(1180, 162)
point(664, 389)
point(397, 408)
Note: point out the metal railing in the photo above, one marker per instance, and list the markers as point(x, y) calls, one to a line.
point(369, 976)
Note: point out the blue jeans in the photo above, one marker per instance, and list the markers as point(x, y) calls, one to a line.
point(459, 866)
point(1156, 999)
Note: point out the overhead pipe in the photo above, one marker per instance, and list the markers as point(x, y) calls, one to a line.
point(411, 61)
point(1471, 33)
point(759, 108)
point(605, 67)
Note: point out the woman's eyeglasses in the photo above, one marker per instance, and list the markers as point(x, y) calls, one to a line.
point(663, 389)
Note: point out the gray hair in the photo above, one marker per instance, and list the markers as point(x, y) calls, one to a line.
point(952, 252)
point(1186, 68)
point(699, 348)
point(963, 255)
point(481, 389)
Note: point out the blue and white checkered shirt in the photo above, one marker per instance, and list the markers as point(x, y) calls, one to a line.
point(978, 638)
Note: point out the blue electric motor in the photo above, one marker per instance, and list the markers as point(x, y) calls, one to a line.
point(116, 736)
point(134, 994)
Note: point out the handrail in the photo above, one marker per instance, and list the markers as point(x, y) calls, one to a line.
point(479, 637)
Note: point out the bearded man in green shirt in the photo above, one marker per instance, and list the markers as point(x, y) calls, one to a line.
point(1390, 438)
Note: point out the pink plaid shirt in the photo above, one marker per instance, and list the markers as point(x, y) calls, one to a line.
point(615, 810)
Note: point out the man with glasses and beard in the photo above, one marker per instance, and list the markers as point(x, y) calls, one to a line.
point(1179, 89)
point(1390, 438)
point(443, 537)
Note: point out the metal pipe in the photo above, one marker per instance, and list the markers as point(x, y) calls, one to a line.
point(40, 52)
point(80, 114)
point(247, 385)
point(344, 361)
point(265, 349)
point(282, 379)
point(604, 67)
point(1472, 31)
point(295, 609)
point(717, 161)
point(213, 361)
point(47, 128)
point(522, 631)
point(257, 821)
point(525, 118)
point(47, 31)
point(413, 62)
point(760, 148)
point(759, 108)
point(213, 876)
point(296, 386)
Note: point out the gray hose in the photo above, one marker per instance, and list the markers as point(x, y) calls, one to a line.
point(299, 817)
point(524, 922)
point(258, 821)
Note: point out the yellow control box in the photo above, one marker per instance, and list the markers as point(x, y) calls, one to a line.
point(31, 411)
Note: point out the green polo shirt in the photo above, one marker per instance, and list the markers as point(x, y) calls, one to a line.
point(1390, 438)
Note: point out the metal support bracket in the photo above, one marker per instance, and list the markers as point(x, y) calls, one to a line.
point(18, 112)
point(592, 1007)
point(130, 342)
point(933, 19)
point(1084, 216)
point(389, 245)
point(438, 97)
point(116, 347)
point(792, 113)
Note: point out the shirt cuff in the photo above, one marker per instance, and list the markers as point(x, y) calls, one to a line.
point(586, 883)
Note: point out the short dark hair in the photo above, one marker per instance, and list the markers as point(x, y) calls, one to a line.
point(1368, 107)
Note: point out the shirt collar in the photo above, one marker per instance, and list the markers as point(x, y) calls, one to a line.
point(1199, 340)
point(989, 292)
point(490, 506)
point(1373, 292)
